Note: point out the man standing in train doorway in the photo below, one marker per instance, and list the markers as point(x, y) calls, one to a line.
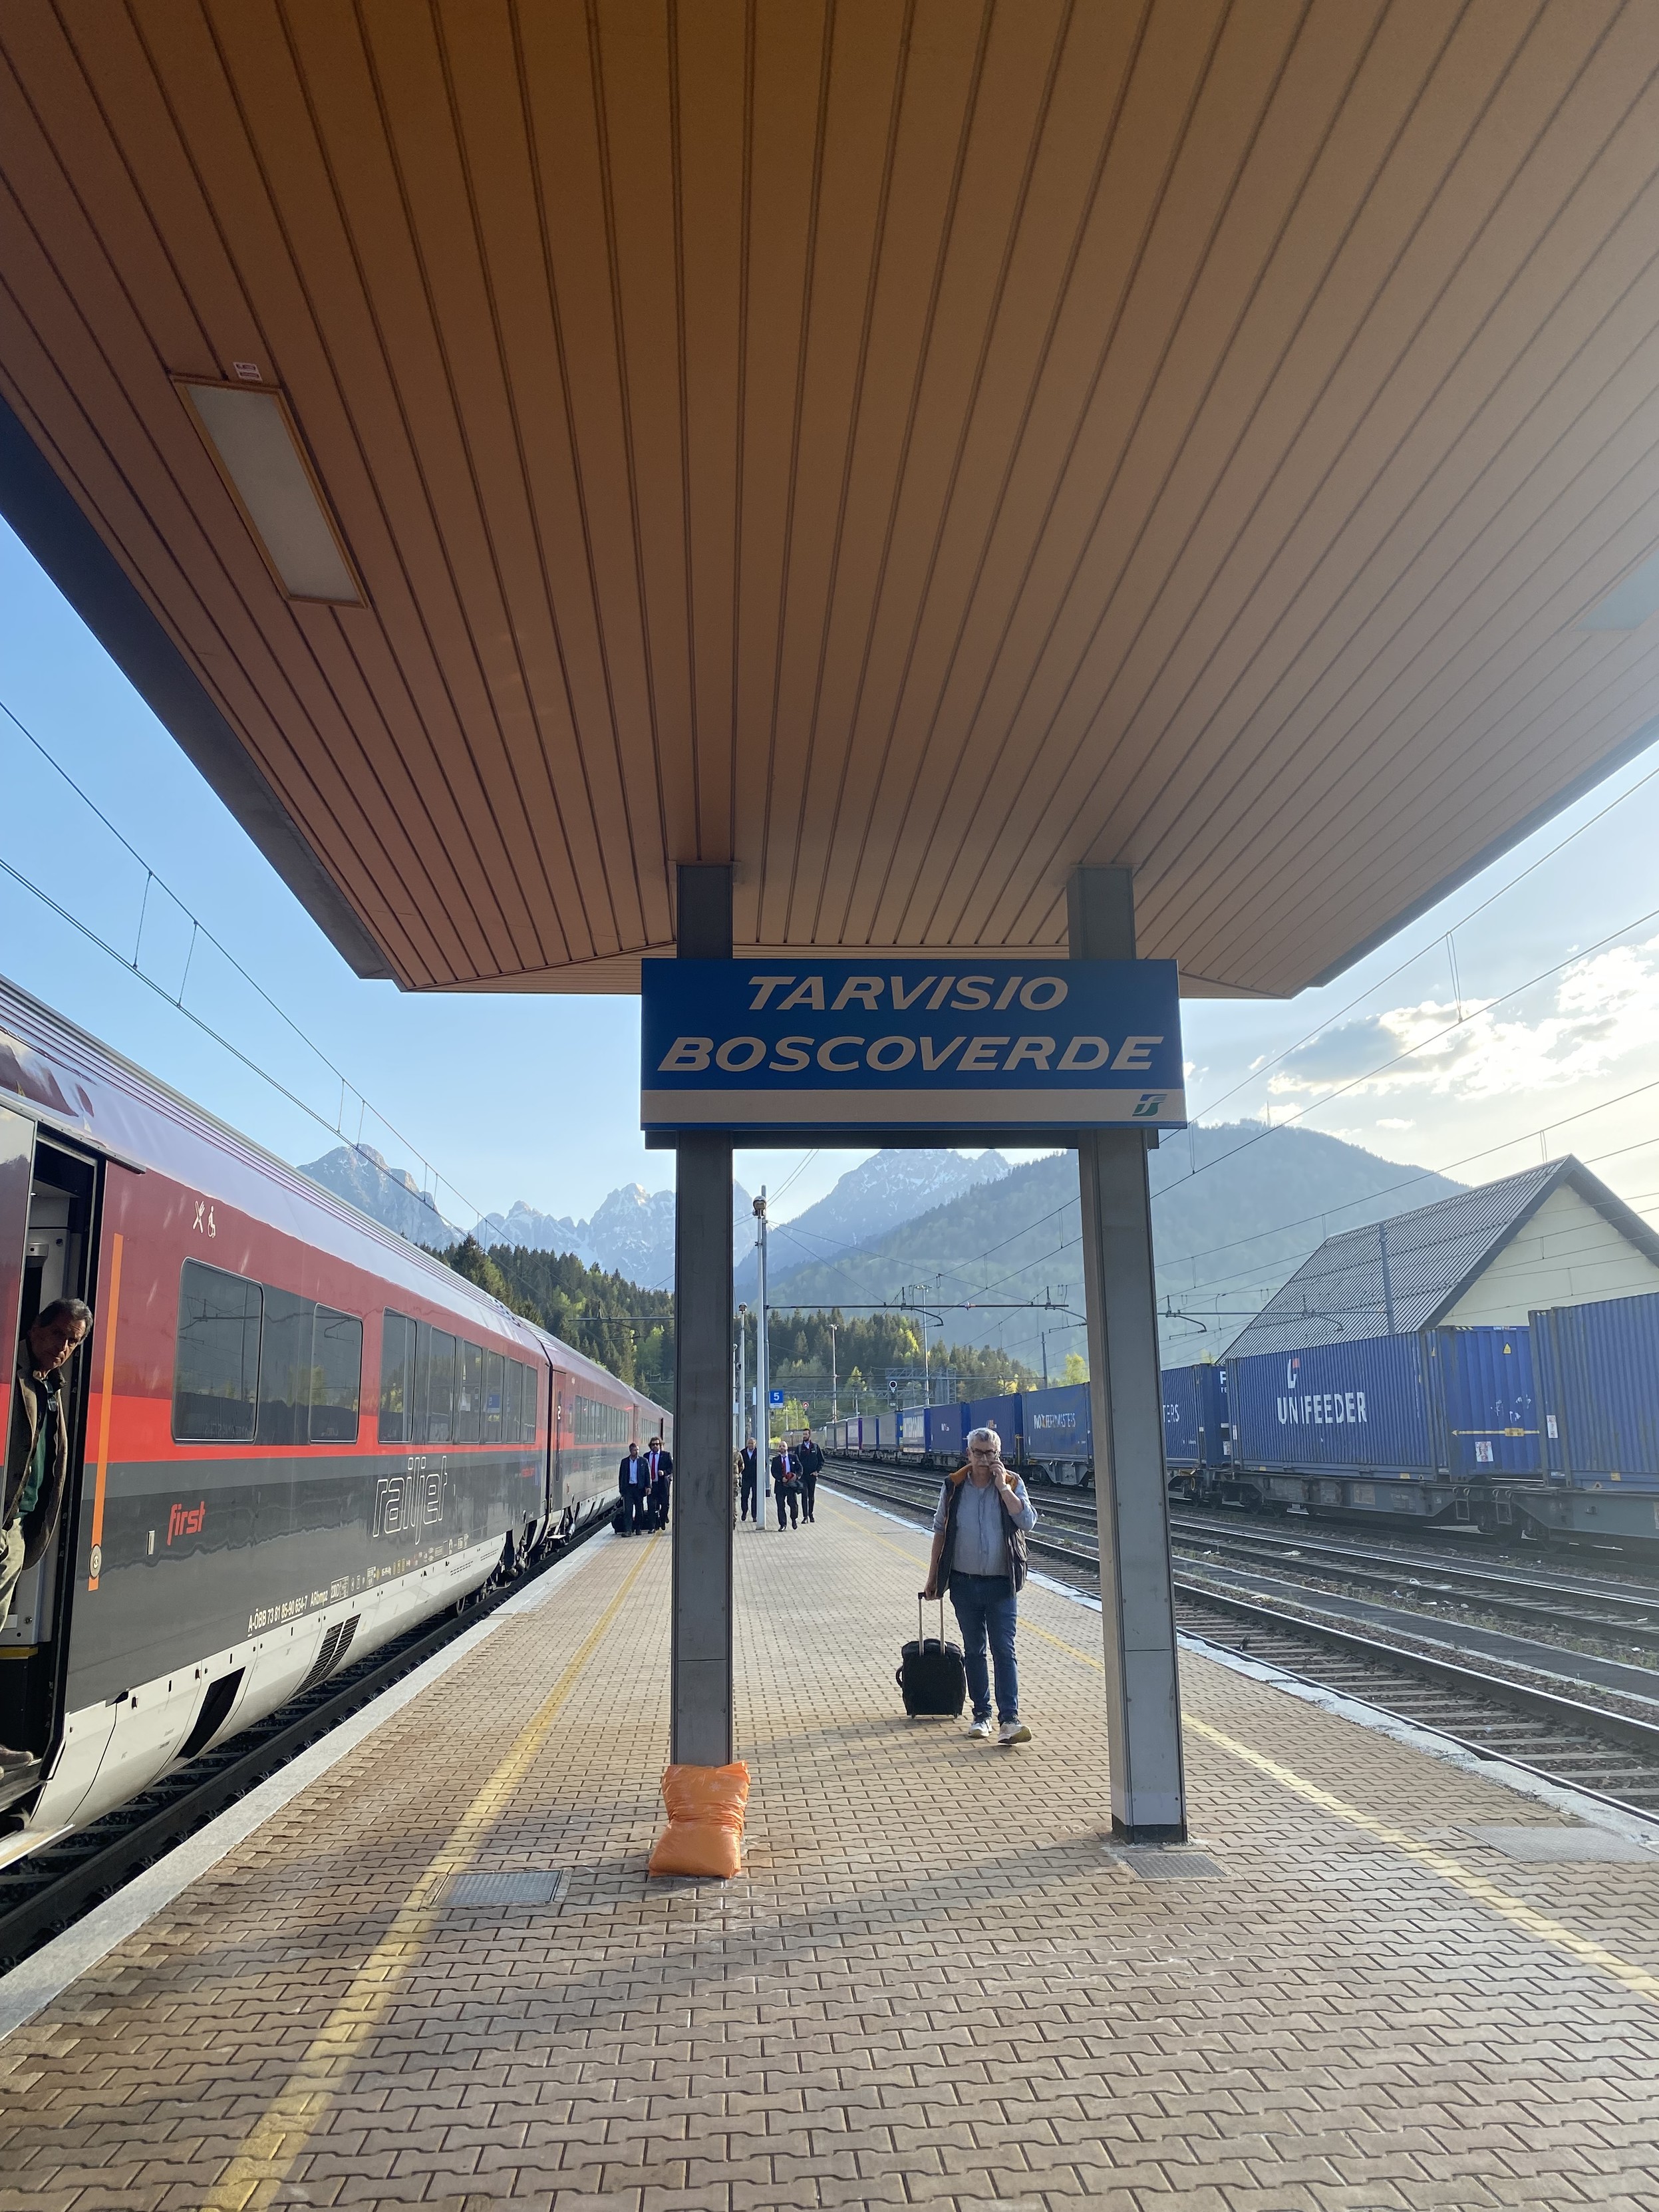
point(37, 1451)
point(661, 1464)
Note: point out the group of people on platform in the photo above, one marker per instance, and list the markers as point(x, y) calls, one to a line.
point(643, 1483)
point(794, 1485)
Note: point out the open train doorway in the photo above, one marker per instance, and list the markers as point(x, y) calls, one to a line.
point(48, 1197)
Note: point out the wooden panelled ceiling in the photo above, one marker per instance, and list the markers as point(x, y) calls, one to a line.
point(904, 449)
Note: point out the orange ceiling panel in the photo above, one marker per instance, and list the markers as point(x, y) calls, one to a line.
point(906, 450)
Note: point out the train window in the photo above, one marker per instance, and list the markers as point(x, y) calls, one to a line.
point(285, 1369)
point(336, 1377)
point(527, 1405)
point(468, 1390)
point(396, 1359)
point(440, 1388)
point(511, 1372)
point(493, 1364)
point(216, 1379)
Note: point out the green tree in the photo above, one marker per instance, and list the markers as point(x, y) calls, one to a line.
point(1077, 1368)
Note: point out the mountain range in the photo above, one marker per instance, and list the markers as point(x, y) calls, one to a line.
point(631, 1233)
point(879, 1195)
point(1236, 1207)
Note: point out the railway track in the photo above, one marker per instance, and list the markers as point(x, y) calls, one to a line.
point(1563, 1739)
point(47, 1890)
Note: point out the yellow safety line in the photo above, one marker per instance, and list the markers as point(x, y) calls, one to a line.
point(1513, 1909)
point(268, 2152)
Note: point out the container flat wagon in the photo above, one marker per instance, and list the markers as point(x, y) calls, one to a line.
point(1598, 1387)
point(1440, 1426)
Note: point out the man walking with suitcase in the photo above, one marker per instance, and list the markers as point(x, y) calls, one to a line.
point(979, 1556)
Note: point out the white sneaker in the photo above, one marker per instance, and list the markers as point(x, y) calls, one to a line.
point(980, 1727)
point(1012, 1732)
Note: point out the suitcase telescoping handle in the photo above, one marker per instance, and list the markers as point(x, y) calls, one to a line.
point(921, 1634)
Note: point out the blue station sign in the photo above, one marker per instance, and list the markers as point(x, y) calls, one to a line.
point(811, 1044)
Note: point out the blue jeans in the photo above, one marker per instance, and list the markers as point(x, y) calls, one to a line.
point(985, 1605)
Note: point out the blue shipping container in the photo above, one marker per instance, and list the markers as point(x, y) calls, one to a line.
point(1598, 1384)
point(946, 1427)
point(1482, 1394)
point(1195, 1432)
point(1057, 1424)
point(913, 1432)
point(1004, 1416)
point(1363, 1406)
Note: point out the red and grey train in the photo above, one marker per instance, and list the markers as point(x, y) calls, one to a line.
point(294, 1436)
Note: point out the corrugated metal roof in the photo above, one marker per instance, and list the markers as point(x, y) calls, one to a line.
point(1393, 1277)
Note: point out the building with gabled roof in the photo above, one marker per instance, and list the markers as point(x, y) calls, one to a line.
point(1553, 1236)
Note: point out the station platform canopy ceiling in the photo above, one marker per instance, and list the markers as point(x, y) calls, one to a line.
point(903, 447)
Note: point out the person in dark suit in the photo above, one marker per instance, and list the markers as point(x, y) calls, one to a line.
point(747, 1473)
point(633, 1483)
point(811, 1459)
point(661, 1465)
point(785, 1484)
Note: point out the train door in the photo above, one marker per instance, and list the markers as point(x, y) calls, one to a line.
point(47, 1195)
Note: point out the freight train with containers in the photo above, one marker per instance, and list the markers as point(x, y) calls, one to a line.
point(293, 1436)
point(1549, 1430)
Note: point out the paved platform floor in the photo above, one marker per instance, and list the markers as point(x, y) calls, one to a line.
point(932, 1985)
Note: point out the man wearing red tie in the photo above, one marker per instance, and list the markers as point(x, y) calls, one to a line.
point(661, 1464)
point(786, 1485)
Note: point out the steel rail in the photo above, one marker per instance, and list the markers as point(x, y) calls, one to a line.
point(1479, 1692)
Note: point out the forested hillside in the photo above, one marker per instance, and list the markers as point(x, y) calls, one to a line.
point(1235, 1209)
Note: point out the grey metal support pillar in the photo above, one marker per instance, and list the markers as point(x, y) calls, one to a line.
point(700, 1729)
point(1149, 1803)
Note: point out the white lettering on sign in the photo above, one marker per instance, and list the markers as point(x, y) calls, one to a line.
point(688, 1053)
point(903, 998)
point(1323, 1409)
point(1134, 1052)
point(889, 1052)
point(972, 993)
point(1097, 1049)
point(768, 985)
point(858, 991)
point(809, 991)
point(931, 1059)
point(739, 1054)
point(1035, 1050)
point(839, 1066)
point(980, 1055)
point(791, 1055)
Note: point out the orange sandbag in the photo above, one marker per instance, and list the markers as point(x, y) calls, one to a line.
point(705, 1821)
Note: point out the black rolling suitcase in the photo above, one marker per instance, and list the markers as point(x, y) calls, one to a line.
point(931, 1675)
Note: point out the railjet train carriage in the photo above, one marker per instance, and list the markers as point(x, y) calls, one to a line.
point(293, 1436)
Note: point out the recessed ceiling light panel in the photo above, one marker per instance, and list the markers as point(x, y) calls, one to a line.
point(254, 438)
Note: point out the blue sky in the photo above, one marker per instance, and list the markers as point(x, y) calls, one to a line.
point(536, 1098)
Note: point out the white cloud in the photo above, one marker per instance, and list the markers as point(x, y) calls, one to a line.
point(1602, 1010)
